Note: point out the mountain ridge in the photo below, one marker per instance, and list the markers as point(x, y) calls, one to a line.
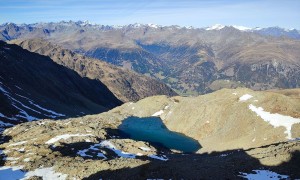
point(126, 85)
point(150, 25)
point(191, 61)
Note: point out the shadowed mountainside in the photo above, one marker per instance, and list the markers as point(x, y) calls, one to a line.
point(33, 87)
point(125, 84)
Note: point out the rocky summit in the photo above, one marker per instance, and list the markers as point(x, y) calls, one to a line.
point(241, 133)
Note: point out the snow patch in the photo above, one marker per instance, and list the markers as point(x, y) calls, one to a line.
point(26, 159)
point(14, 172)
point(153, 25)
point(276, 120)
point(109, 145)
point(145, 148)
point(263, 174)
point(215, 27)
point(245, 97)
point(224, 155)
point(47, 110)
point(158, 113)
point(21, 150)
point(66, 136)
point(18, 87)
point(242, 28)
point(18, 143)
point(162, 158)
point(3, 124)
point(10, 159)
point(46, 174)
point(83, 152)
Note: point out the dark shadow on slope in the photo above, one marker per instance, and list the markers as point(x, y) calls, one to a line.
point(115, 134)
point(37, 82)
point(118, 134)
point(73, 149)
point(216, 165)
point(3, 139)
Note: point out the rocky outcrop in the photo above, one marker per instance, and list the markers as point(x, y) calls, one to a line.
point(232, 127)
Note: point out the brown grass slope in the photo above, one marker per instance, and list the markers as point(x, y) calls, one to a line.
point(233, 138)
point(219, 120)
point(125, 84)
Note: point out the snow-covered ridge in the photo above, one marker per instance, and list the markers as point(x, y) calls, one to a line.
point(242, 28)
point(249, 29)
point(87, 23)
point(220, 26)
point(215, 27)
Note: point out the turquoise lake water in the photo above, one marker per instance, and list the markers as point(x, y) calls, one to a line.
point(152, 129)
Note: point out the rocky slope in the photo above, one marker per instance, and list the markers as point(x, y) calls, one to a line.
point(190, 60)
point(34, 87)
point(125, 84)
point(239, 130)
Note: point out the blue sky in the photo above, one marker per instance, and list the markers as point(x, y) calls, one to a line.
point(197, 13)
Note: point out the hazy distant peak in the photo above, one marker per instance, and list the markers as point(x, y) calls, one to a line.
point(215, 27)
point(242, 28)
point(220, 26)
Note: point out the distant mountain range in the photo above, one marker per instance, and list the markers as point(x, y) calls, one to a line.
point(271, 31)
point(190, 60)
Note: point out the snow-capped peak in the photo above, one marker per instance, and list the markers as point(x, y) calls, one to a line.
point(153, 25)
point(136, 25)
point(242, 28)
point(257, 28)
point(84, 23)
point(216, 27)
point(220, 26)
